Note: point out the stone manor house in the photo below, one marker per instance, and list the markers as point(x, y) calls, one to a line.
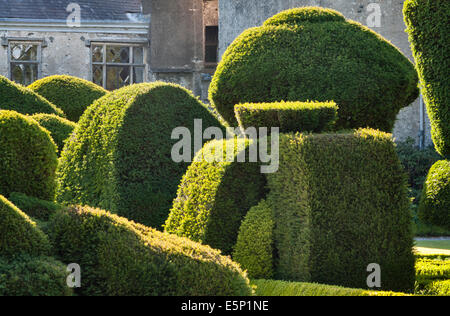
point(120, 42)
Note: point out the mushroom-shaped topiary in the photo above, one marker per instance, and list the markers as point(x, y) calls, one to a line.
point(28, 157)
point(73, 95)
point(315, 54)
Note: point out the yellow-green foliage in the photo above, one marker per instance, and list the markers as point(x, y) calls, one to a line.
point(28, 157)
point(254, 248)
point(122, 258)
point(433, 275)
point(60, 129)
point(215, 194)
point(315, 54)
point(18, 233)
point(119, 157)
point(23, 100)
point(71, 94)
point(288, 116)
point(341, 203)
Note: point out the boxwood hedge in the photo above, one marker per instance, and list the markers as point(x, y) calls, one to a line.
point(429, 34)
point(309, 54)
point(120, 155)
point(288, 116)
point(215, 195)
point(434, 206)
point(18, 233)
point(71, 94)
point(60, 129)
point(23, 100)
point(346, 206)
point(34, 207)
point(121, 258)
point(28, 157)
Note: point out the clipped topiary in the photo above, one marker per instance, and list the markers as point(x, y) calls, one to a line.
point(434, 206)
point(309, 54)
point(71, 94)
point(342, 204)
point(254, 249)
point(23, 100)
point(34, 207)
point(121, 258)
point(28, 157)
point(288, 116)
point(429, 34)
point(18, 233)
point(215, 195)
point(60, 129)
point(33, 276)
point(120, 155)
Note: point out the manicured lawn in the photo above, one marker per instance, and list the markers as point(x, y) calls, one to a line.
point(433, 246)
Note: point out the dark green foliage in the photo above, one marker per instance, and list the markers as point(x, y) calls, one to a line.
point(288, 116)
point(435, 203)
point(23, 100)
point(73, 95)
point(215, 195)
point(18, 233)
point(254, 249)
point(33, 276)
point(60, 129)
point(429, 34)
point(28, 158)
point(121, 258)
point(119, 157)
point(343, 61)
point(346, 206)
point(302, 15)
point(33, 207)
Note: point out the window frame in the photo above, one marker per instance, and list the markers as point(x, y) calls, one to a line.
point(104, 64)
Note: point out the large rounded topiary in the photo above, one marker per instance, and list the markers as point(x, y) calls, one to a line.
point(429, 34)
point(28, 157)
point(435, 203)
point(60, 129)
point(315, 54)
point(18, 233)
point(121, 258)
point(120, 156)
point(23, 100)
point(73, 95)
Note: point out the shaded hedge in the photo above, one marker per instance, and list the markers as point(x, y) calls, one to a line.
point(71, 94)
point(288, 116)
point(34, 207)
point(119, 157)
point(23, 100)
point(215, 195)
point(315, 56)
point(33, 276)
point(434, 206)
point(429, 34)
point(60, 129)
point(254, 249)
point(18, 233)
point(121, 258)
point(346, 206)
point(28, 157)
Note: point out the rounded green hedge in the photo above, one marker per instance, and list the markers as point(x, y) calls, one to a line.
point(120, 155)
point(254, 249)
point(434, 206)
point(73, 95)
point(23, 100)
point(215, 195)
point(121, 258)
point(305, 54)
point(34, 207)
point(429, 34)
point(33, 276)
point(18, 233)
point(28, 157)
point(60, 129)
